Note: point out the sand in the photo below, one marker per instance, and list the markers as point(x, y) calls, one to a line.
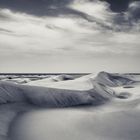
point(101, 107)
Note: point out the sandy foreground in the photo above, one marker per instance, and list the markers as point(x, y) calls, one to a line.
point(100, 107)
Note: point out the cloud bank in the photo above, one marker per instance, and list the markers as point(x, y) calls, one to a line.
point(88, 31)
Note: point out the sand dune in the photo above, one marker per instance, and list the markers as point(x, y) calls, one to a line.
point(53, 97)
point(113, 80)
point(113, 102)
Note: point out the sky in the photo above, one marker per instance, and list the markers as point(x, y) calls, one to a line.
point(69, 36)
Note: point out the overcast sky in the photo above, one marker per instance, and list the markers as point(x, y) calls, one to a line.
point(69, 36)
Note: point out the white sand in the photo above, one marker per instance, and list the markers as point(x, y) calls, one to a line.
point(116, 115)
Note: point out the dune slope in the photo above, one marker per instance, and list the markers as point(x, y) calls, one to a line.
point(106, 94)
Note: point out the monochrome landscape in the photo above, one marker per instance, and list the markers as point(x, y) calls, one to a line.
point(69, 70)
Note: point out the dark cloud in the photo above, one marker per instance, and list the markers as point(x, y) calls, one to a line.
point(53, 7)
point(127, 13)
point(44, 8)
point(129, 18)
point(134, 11)
point(36, 7)
point(50, 7)
point(118, 5)
point(60, 7)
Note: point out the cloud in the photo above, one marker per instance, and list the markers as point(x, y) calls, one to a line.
point(50, 34)
point(134, 11)
point(53, 7)
point(96, 9)
point(91, 31)
point(118, 5)
point(5, 30)
point(35, 7)
point(41, 8)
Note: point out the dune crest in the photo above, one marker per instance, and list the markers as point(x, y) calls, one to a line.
point(54, 97)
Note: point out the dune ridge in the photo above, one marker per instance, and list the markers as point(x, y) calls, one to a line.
point(54, 97)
